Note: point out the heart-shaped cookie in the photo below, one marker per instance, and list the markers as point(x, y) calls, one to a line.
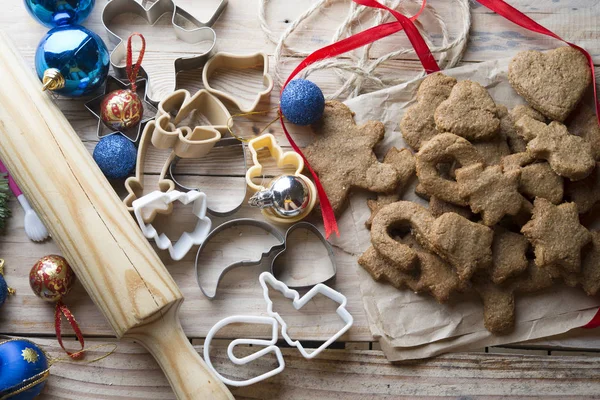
point(551, 82)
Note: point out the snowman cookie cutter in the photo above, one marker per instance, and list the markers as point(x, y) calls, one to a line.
point(282, 159)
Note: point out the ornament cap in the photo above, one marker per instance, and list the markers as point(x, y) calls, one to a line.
point(53, 80)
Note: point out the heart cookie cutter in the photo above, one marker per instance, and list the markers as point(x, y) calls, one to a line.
point(238, 62)
point(282, 158)
point(163, 201)
point(201, 31)
point(272, 253)
point(188, 142)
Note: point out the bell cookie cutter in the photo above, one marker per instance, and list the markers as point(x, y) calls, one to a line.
point(238, 62)
point(274, 252)
point(188, 142)
point(163, 201)
point(266, 279)
point(201, 32)
point(225, 142)
point(282, 158)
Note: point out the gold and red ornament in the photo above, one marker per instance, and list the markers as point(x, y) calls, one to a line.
point(123, 109)
point(51, 278)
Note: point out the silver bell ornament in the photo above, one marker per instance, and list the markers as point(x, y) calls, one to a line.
point(287, 195)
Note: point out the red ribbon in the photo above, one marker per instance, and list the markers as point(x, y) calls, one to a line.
point(517, 17)
point(134, 69)
point(60, 310)
point(348, 44)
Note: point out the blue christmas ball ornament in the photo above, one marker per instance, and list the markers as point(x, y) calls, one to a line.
point(302, 102)
point(21, 363)
point(72, 61)
point(53, 13)
point(116, 156)
point(3, 290)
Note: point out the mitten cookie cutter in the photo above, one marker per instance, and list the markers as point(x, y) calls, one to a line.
point(188, 142)
point(274, 252)
point(163, 201)
point(239, 61)
point(282, 158)
point(201, 31)
point(266, 279)
point(225, 142)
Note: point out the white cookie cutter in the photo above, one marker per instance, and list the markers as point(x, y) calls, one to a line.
point(266, 279)
point(161, 201)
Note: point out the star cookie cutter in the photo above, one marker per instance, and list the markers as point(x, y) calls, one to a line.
point(238, 62)
point(282, 159)
point(201, 31)
point(188, 142)
point(163, 201)
point(273, 253)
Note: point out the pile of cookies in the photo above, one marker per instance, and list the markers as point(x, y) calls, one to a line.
point(507, 190)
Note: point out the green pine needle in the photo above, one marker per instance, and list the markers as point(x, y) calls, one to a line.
point(4, 210)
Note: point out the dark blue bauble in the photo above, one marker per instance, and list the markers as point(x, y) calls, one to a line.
point(116, 156)
point(302, 102)
point(79, 54)
point(20, 360)
point(3, 290)
point(53, 13)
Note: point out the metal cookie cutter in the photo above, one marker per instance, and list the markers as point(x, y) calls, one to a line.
point(275, 252)
point(201, 31)
point(225, 142)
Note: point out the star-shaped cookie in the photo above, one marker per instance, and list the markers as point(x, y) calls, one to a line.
point(343, 157)
point(556, 235)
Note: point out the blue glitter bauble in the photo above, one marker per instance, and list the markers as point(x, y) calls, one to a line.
point(20, 361)
point(302, 102)
point(3, 290)
point(116, 156)
point(79, 54)
point(53, 13)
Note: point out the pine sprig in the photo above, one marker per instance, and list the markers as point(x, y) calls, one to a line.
point(4, 210)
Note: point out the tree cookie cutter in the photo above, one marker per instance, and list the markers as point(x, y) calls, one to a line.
point(266, 279)
point(275, 252)
point(225, 142)
point(163, 201)
point(239, 61)
point(282, 158)
point(188, 142)
point(201, 31)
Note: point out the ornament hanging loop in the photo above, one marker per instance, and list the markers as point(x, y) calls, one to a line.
point(134, 69)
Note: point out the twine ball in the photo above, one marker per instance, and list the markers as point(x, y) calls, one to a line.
point(302, 102)
point(116, 156)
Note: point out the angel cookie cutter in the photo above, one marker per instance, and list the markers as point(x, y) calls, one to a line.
point(201, 31)
point(282, 159)
point(163, 201)
point(239, 62)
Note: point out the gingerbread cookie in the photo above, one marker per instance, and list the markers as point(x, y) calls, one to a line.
point(508, 254)
point(586, 192)
point(507, 125)
point(551, 82)
point(489, 191)
point(583, 123)
point(417, 124)
point(492, 151)
point(438, 207)
point(342, 155)
point(556, 235)
point(590, 266)
point(568, 155)
point(469, 112)
point(537, 177)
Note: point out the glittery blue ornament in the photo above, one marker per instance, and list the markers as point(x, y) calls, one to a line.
point(302, 102)
point(116, 156)
point(72, 61)
point(3, 290)
point(21, 363)
point(53, 13)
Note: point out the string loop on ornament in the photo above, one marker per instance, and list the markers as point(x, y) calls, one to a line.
point(134, 69)
point(264, 112)
point(60, 310)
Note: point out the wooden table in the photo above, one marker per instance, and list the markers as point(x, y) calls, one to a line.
point(565, 367)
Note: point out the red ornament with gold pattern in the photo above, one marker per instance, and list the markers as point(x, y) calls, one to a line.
point(123, 109)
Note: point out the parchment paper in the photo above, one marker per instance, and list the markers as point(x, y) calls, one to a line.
point(411, 326)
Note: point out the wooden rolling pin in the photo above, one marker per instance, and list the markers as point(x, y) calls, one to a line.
point(96, 234)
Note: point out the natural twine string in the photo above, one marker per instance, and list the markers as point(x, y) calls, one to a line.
point(358, 74)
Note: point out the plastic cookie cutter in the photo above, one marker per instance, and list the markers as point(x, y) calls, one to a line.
point(270, 348)
point(267, 280)
point(274, 253)
point(245, 101)
point(282, 159)
point(188, 141)
point(225, 142)
point(200, 32)
point(163, 201)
